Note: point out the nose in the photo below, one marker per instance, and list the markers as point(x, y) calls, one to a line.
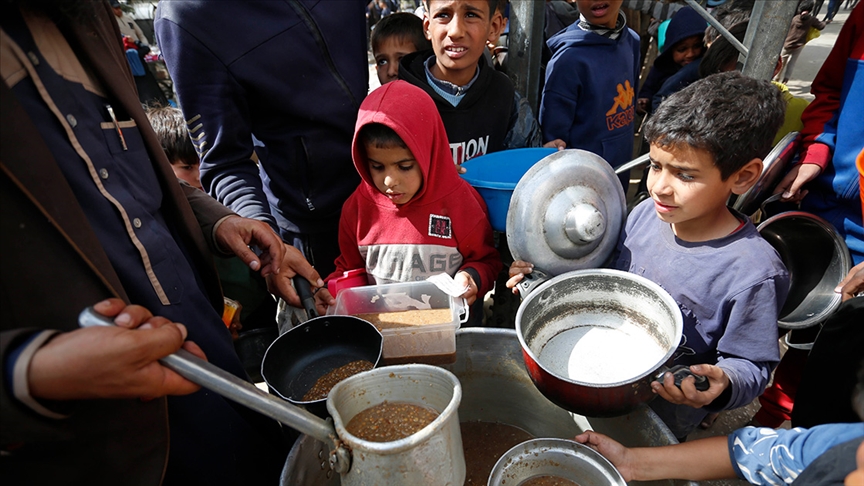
point(392, 69)
point(455, 28)
point(658, 182)
point(390, 180)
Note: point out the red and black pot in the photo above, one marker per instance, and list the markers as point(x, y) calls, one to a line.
point(593, 340)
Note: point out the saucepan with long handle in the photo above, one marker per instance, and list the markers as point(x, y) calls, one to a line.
point(229, 386)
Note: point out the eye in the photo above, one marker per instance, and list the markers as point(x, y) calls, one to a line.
point(685, 177)
point(381, 62)
point(376, 167)
point(406, 167)
point(653, 166)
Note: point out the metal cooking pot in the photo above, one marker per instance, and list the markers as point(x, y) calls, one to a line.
point(817, 260)
point(593, 340)
point(554, 457)
point(496, 388)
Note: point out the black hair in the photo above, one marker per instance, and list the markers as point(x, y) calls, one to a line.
point(493, 6)
point(731, 116)
point(727, 17)
point(380, 135)
point(170, 128)
point(402, 25)
point(806, 6)
point(722, 52)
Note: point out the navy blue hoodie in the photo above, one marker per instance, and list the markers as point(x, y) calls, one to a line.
point(589, 96)
point(291, 74)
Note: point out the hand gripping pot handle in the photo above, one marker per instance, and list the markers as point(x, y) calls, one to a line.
point(210, 376)
point(679, 372)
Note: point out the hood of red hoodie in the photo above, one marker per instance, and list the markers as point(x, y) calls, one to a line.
point(412, 114)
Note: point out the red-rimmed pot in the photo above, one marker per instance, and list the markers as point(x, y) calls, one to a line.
point(593, 340)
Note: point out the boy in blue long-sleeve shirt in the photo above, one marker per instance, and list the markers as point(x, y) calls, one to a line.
point(707, 142)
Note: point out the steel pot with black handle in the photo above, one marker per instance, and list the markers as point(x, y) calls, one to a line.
point(593, 340)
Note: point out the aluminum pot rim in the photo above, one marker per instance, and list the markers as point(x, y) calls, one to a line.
point(678, 323)
point(570, 445)
point(413, 440)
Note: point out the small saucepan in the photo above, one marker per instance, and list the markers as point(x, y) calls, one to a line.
point(593, 340)
point(299, 357)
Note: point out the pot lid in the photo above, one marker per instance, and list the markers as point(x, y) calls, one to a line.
point(773, 167)
point(566, 212)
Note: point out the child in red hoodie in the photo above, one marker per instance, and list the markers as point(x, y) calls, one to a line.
point(412, 215)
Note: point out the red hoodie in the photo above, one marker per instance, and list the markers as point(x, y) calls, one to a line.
point(443, 228)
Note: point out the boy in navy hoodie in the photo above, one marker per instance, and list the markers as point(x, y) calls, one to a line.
point(588, 99)
point(482, 112)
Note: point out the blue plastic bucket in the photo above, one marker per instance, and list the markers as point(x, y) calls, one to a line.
point(495, 176)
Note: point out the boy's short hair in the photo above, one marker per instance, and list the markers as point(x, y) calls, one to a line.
point(170, 128)
point(806, 6)
point(380, 136)
point(402, 25)
point(729, 115)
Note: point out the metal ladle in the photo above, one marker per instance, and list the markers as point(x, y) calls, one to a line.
point(203, 373)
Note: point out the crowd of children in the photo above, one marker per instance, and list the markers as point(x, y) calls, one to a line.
point(442, 103)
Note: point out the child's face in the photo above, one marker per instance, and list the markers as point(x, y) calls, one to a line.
point(187, 172)
point(600, 12)
point(387, 56)
point(394, 171)
point(687, 188)
point(687, 50)
point(459, 30)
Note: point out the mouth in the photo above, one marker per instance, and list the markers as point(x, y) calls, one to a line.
point(393, 196)
point(455, 52)
point(663, 208)
point(600, 9)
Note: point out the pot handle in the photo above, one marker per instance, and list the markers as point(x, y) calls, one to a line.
point(679, 372)
point(304, 291)
point(530, 281)
point(210, 376)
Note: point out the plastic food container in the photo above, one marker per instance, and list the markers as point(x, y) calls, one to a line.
point(415, 342)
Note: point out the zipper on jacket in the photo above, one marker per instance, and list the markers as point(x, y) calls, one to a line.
point(319, 39)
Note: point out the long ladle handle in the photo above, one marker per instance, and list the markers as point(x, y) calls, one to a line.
point(210, 376)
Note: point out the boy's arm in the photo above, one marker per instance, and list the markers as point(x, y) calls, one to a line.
point(748, 349)
point(222, 131)
point(560, 99)
point(478, 253)
point(699, 460)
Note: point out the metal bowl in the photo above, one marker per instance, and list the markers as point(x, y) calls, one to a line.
point(554, 457)
point(817, 260)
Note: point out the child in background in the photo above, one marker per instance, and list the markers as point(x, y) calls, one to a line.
point(588, 98)
point(239, 283)
point(412, 216)
point(394, 37)
point(796, 38)
point(481, 110)
point(683, 46)
point(707, 142)
point(170, 128)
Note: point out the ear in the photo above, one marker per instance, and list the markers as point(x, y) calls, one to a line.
point(426, 26)
point(746, 176)
point(496, 26)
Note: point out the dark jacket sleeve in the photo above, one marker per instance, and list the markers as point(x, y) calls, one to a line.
point(221, 129)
